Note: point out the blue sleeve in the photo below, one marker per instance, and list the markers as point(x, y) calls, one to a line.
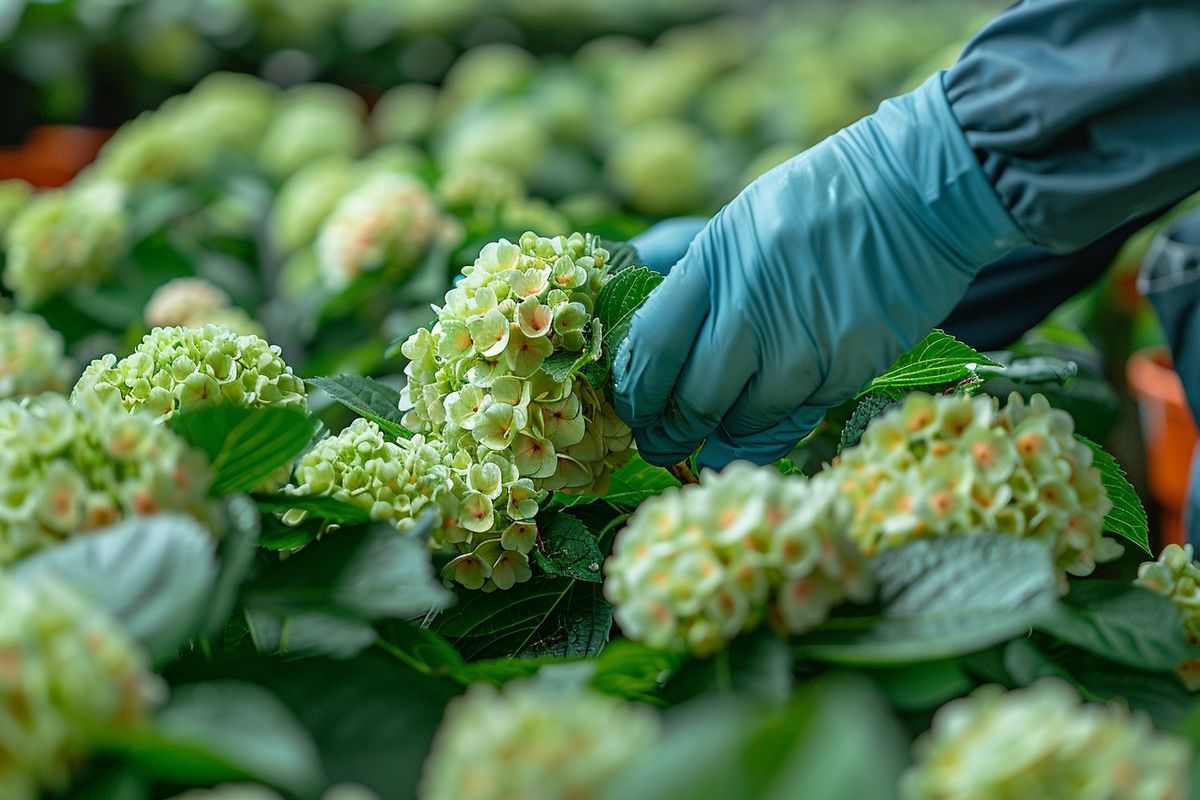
point(1084, 113)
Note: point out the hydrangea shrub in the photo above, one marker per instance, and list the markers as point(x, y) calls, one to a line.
point(69, 679)
point(1043, 742)
point(67, 469)
point(527, 741)
point(698, 565)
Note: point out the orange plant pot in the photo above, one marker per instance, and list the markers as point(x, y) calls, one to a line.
point(1170, 435)
point(52, 155)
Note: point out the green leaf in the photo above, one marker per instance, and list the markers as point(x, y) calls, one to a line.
point(236, 555)
point(563, 365)
point(941, 597)
point(1035, 369)
point(1128, 517)
point(618, 300)
point(629, 486)
point(226, 731)
point(628, 669)
point(244, 445)
point(835, 739)
point(568, 549)
point(151, 574)
point(923, 687)
point(544, 616)
point(369, 399)
point(329, 509)
point(339, 585)
point(622, 255)
point(1120, 622)
point(936, 361)
point(757, 665)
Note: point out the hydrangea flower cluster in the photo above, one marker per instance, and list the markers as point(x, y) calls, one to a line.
point(479, 189)
point(527, 741)
point(64, 238)
point(14, 194)
point(69, 469)
point(175, 369)
point(311, 122)
point(476, 385)
point(69, 677)
point(941, 465)
point(700, 564)
point(306, 200)
point(194, 303)
point(1176, 576)
point(1042, 742)
point(385, 226)
point(32, 359)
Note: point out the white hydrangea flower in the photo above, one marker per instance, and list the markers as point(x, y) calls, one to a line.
point(69, 469)
point(1176, 576)
point(32, 360)
point(526, 741)
point(697, 565)
point(1043, 742)
point(386, 226)
point(943, 465)
point(70, 678)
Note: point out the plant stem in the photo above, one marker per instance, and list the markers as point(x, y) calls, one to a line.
point(683, 473)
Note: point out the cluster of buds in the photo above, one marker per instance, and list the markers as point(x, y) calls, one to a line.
point(73, 468)
point(943, 465)
point(69, 677)
point(176, 369)
point(1176, 576)
point(194, 303)
point(528, 741)
point(1043, 742)
point(477, 386)
point(384, 226)
point(700, 564)
point(65, 238)
point(32, 360)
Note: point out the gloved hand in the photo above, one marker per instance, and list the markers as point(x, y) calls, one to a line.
point(808, 284)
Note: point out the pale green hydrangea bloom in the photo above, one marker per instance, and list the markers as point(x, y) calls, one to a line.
point(662, 168)
point(176, 369)
point(944, 465)
point(194, 303)
point(311, 122)
point(1176, 576)
point(65, 238)
point(697, 565)
point(67, 469)
point(69, 679)
point(306, 200)
point(1043, 742)
point(508, 134)
point(528, 741)
point(479, 190)
point(385, 226)
point(14, 194)
point(32, 359)
point(476, 384)
point(405, 113)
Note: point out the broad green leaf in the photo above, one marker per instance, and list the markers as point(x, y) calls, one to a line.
point(1120, 622)
point(339, 585)
point(756, 665)
point(941, 597)
point(1128, 517)
point(629, 486)
point(245, 446)
point(923, 687)
point(568, 549)
point(329, 509)
point(236, 555)
point(618, 300)
point(632, 670)
point(565, 364)
point(226, 731)
point(622, 255)
point(938, 360)
point(544, 616)
point(277, 536)
point(369, 399)
point(152, 574)
point(834, 739)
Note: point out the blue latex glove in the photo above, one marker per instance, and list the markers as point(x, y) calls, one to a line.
point(808, 284)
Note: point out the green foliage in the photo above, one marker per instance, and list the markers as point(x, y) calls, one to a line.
point(938, 360)
point(941, 597)
point(629, 486)
point(329, 509)
point(618, 300)
point(568, 549)
point(152, 574)
point(245, 446)
point(871, 406)
point(367, 397)
point(1128, 517)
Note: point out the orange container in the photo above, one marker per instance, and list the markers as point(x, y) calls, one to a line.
point(1169, 432)
point(53, 154)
